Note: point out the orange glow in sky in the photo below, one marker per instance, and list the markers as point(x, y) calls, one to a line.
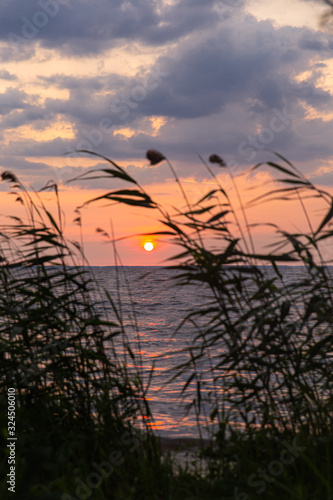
point(158, 86)
point(128, 225)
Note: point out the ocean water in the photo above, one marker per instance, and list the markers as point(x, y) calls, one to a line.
point(148, 299)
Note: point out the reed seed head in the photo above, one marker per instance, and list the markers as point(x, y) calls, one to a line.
point(9, 176)
point(217, 159)
point(154, 156)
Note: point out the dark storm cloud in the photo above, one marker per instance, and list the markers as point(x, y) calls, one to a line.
point(230, 89)
point(230, 65)
point(82, 27)
point(12, 99)
point(311, 43)
point(38, 118)
point(200, 77)
point(85, 84)
point(30, 148)
point(17, 108)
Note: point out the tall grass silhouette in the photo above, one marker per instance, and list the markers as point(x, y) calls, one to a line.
point(261, 344)
point(272, 339)
point(75, 395)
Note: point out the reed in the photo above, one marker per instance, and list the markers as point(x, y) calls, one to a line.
point(75, 396)
point(268, 342)
point(264, 343)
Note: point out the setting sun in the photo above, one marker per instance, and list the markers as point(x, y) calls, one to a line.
point(148, 246)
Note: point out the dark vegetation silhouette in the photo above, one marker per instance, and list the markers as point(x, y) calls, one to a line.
point(266, 343)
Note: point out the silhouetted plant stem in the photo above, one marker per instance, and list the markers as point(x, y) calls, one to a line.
point(243, 239)
point(242, 209)
point(179, 184)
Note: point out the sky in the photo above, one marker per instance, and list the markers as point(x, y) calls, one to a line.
point(240, 78)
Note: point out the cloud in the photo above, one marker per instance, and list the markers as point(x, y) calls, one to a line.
point(81, 28)
point(35, 174)
point(235, 86)
point(10, 52)
point(12, 99)
point(5, 75)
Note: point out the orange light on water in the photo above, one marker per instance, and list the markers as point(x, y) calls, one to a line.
point(156, 425)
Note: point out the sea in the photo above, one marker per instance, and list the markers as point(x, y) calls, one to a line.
point(152, 307)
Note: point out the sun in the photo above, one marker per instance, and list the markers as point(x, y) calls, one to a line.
point(148, 246)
